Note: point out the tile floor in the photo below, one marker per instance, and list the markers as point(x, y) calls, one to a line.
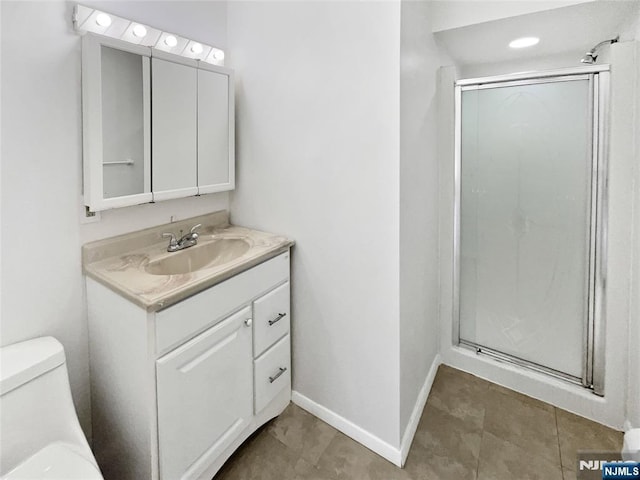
point(470, 429)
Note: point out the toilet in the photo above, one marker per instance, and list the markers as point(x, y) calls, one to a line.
point(39, 428)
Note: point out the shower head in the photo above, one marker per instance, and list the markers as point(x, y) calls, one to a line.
point(590, 57)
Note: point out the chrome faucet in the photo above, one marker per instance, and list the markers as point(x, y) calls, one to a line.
point(186, 241)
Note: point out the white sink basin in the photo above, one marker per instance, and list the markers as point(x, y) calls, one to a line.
point(211, 254)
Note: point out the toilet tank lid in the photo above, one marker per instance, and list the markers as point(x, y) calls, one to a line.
point(24, 361)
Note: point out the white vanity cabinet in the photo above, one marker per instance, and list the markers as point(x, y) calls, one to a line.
point(175, 392)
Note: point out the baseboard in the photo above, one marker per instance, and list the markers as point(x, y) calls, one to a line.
point(349, 428)
point(421, 401)
point(369, 440)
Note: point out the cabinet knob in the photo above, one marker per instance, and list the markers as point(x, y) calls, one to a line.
point(248, 322)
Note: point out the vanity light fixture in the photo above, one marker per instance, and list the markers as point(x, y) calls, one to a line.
point(87, 19)
point(524, 42)
point(103, 20)
point(171, 41)
point(140, 31)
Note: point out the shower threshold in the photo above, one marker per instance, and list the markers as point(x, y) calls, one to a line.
point(512, 360)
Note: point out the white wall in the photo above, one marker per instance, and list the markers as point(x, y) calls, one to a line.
point(318, 147)
point(633, 396)
point(42, 283)
point(419, 62)
point(449, 14)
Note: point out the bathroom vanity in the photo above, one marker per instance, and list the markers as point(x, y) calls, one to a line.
point(188, 357)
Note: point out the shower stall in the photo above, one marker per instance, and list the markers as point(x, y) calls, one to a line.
point(530, 221)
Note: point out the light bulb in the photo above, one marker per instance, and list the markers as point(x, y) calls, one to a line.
point(218, 55)
point(103, 20)
point(171, 41)
point(524, 42)
point(196, 48)
point(139, 31)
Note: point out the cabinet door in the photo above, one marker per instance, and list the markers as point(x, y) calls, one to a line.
point(215, 131)
point(116, 123)
point(205, 397)
point(174, 91)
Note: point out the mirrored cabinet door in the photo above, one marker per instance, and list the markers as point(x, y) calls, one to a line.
point(116, 129)
point(124, 127)
point(215, 130)
point(174, 97)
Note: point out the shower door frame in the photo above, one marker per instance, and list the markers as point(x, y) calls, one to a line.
point(593, 338)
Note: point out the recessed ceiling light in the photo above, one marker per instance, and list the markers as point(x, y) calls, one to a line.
point(103, 19)
point(196, 48)
point(171, 41)
point(139, 31)
point(218, 55)
point(524, 42)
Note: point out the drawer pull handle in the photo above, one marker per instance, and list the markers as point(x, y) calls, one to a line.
point(277, 319)
point(275, 377)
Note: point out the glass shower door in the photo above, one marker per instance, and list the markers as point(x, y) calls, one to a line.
point(526, 220)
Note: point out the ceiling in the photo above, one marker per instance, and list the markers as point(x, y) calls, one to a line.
point(561, 30)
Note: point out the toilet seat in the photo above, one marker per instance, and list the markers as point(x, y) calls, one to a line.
point(57, 461)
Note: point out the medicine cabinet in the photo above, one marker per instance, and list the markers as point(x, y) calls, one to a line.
point(156, 126)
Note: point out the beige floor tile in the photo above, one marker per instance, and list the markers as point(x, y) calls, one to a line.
point(347, 459)
point(302, 433)
point(523, 421)
point(568, 474)
point(503, 460)
point(304, 470)
point(450, 442)
point(579, 434)
point(526, 400)
point(430, 464)
point(469, 429)
point(262, 457)
point(459, 394)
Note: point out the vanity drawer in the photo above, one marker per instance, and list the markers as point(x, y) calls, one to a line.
point(185, 319)
point(272, 373)
point(271, 318)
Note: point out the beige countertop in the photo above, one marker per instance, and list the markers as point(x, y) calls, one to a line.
point(120, 263)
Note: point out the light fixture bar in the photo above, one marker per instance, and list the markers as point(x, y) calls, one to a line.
point(86, 19)
point(524, 42)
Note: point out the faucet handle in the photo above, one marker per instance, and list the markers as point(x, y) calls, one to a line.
point(193, 233)
point(173, 244)
point(174, 240)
